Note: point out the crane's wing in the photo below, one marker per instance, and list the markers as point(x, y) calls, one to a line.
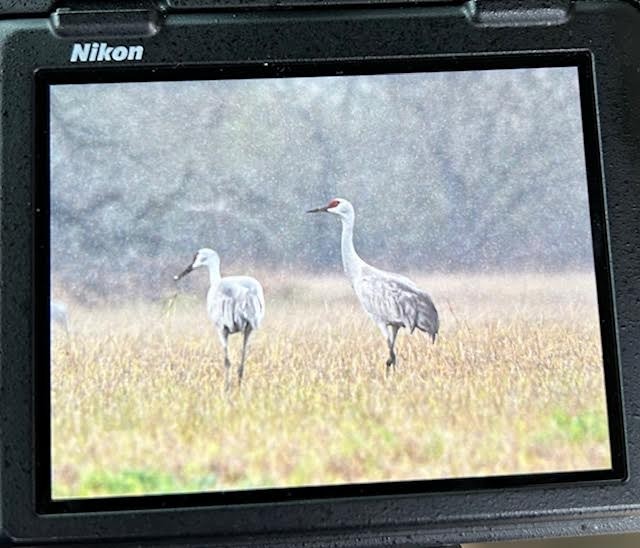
point(396, 300)
point(251, 307)
point(236, 304)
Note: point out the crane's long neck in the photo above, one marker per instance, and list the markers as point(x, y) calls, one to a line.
point(351, 261)
point(214, 273)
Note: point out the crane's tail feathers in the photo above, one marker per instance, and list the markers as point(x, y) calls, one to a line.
point(433, 333)
point(426, 316)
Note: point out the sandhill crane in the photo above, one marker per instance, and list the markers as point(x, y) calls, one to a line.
point(391, 300)
point(58, 315)
point(235, 304)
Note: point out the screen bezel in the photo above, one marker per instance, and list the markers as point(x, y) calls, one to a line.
point(601, 252)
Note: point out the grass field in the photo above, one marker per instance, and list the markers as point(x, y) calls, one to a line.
point(513, 385)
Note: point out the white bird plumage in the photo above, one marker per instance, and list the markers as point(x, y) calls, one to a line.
point(235, 304)
point(391, 300)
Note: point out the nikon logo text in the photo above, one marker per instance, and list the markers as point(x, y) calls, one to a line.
point(101, 52)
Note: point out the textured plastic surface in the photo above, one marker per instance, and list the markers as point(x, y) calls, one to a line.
point(609, 30)
point(34, 7)
point(97, 23)
point(43, 7)
point(25, 7)
point(189, 5)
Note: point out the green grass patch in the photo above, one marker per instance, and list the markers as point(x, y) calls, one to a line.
point(588, 426)
point(139, 482)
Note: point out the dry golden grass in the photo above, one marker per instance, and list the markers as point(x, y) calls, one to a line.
point(513, 385)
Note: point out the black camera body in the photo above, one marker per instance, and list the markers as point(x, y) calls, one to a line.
point(45, 42)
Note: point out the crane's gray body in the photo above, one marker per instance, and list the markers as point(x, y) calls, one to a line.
point(235, 304)
point(395, 301)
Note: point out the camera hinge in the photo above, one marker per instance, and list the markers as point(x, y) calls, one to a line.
point(515, 13)
point(125, 23)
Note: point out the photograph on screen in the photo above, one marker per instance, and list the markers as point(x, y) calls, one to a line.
point(310, 281)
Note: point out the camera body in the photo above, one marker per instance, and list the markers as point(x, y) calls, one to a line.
point(47, 42)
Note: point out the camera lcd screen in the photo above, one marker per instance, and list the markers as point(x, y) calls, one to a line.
point(269, 283)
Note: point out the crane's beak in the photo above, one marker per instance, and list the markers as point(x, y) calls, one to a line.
point(184, 272)
point(318, 210)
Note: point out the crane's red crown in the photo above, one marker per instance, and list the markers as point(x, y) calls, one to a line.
point(333, 203)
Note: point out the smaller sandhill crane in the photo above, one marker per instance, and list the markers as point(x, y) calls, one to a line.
point(391, 300)
point(235, 304)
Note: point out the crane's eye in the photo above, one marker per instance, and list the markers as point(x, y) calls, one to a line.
point(333, 203)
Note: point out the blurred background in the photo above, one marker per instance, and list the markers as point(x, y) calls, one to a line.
point(475, 171)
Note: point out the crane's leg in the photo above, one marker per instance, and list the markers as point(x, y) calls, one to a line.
point(392, 333)
point(224, 339)
point(245, 342)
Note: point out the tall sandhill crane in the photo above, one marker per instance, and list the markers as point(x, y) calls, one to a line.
point(235, 304)
point(391, 300)
point(58, 315)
